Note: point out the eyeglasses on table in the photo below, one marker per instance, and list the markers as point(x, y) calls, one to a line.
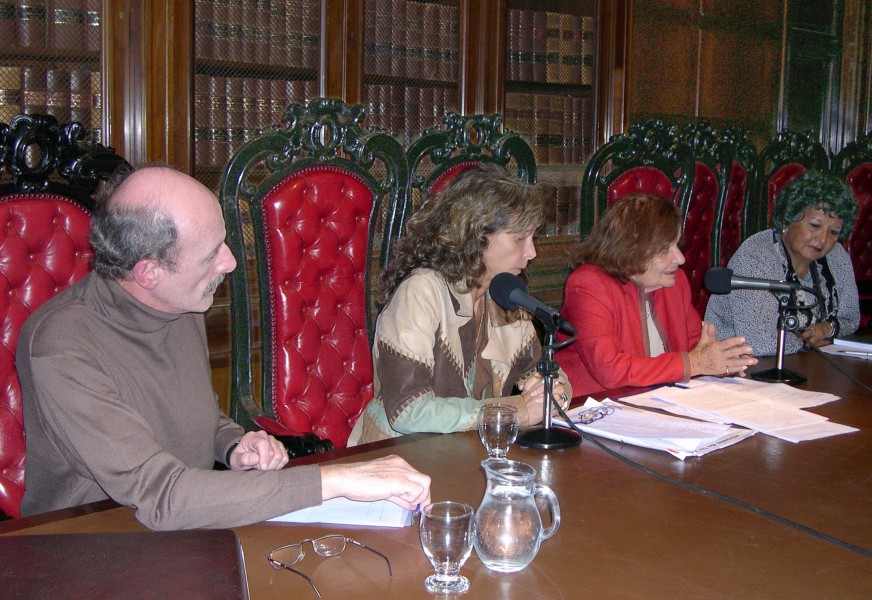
point(284, 557)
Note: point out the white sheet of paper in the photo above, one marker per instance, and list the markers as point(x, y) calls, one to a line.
point(342, 511)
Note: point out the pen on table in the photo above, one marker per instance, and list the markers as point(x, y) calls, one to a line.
point(854, 353)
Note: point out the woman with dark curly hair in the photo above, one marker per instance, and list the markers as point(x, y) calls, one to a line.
point(442, 346)
point(811, 215)
point(630, 302)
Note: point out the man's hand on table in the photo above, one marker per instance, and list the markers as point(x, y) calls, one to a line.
point(389, 478)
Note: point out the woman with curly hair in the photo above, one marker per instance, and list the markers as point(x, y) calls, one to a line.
point(811, 215)
point(442, 346)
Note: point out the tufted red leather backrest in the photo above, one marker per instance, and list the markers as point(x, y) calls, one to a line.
point(450, 173)
point(316, 227)
point(43, 250)
point(734, 208)
point(860, 240)
point(640, 179)
point(777, 182)
point(698, 233)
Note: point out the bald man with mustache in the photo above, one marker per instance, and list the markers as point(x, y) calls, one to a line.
point(118, 401)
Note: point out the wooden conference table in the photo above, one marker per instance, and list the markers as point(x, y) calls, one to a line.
point(625, 533)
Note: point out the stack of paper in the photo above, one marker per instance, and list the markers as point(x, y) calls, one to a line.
point(851, 347)
point(342, 511)
point(771, 408)
point(680, 437)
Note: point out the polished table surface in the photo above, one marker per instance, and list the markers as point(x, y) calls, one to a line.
point(625, 533)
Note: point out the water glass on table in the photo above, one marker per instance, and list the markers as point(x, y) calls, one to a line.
point(446, 530)
point(498, 426)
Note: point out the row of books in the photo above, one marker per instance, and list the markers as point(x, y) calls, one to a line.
point(68, 94)
point(277, 32)
point(411, 39)
point(407, 111)
point(228, 111)
point(550, 47)
point(558, 127)
point(56, 24)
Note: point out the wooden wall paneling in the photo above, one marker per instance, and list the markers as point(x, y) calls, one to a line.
point(614, 69)
point(664, 81)
point(342, 50)
point(737, 87)
point(169, 64)
point(853, 115)
point(124, 77)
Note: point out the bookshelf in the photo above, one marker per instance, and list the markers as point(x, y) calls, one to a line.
point(252, 58)
point(549, 88)
point(50, 61)
point(410, 65)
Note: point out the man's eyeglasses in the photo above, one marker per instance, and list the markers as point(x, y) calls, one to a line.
point(284, 557)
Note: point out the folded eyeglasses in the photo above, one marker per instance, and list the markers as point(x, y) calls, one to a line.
point(284, 557)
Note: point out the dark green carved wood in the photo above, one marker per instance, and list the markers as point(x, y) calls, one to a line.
point(648, 144)
point(467, 138)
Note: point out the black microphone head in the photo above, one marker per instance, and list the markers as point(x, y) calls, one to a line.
point(718, 280)
point(502, 286)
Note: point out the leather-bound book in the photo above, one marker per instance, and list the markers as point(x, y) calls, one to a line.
point(278, 33)
point(97, 107)
point(398, 38)
point(260, 29)
point(566, 22)
point(382, 37)
point(414, 41)
point(66, 23)
point(235, 41)
point(513, 44)
point(587, 49)
point(427, 102)
point(203, 29)
point(566, 124)
point(540, 51)
point(262, 103)
point(94, 24)
point(57, 100)
point(369, 38)
point(217, 121)
point(430, 51)
point(33, 90)
point(412, 102)
point(277, 100)
point(10, 93)
point(449, 15)
point(525, 42)
point(552, 47)
point(235, 116)
point(541, 111)
point(131, 565)
point(294, 32)
point(31, 16)
point(555, 129)
point(311, 30)
point(220, 29)
point(201, 121)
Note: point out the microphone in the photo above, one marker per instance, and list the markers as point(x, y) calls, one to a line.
point(510, 292)
point(720, 280)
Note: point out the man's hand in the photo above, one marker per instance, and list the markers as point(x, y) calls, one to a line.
point(389, 478)
point(258, 450)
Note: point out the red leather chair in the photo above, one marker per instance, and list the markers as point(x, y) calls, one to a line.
point(48, 176)
point(713, 226)
point(854, 164)
point(437, 155)
point(649, 158)
point(312, 210)
point(783, 159)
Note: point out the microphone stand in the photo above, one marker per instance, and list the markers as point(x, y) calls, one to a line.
point(787, 321)
point(548, 437)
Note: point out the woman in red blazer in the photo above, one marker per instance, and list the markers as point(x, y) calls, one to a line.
point(629, 300)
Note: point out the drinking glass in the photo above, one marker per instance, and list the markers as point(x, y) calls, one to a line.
point(498, 426)
point(446, 530)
